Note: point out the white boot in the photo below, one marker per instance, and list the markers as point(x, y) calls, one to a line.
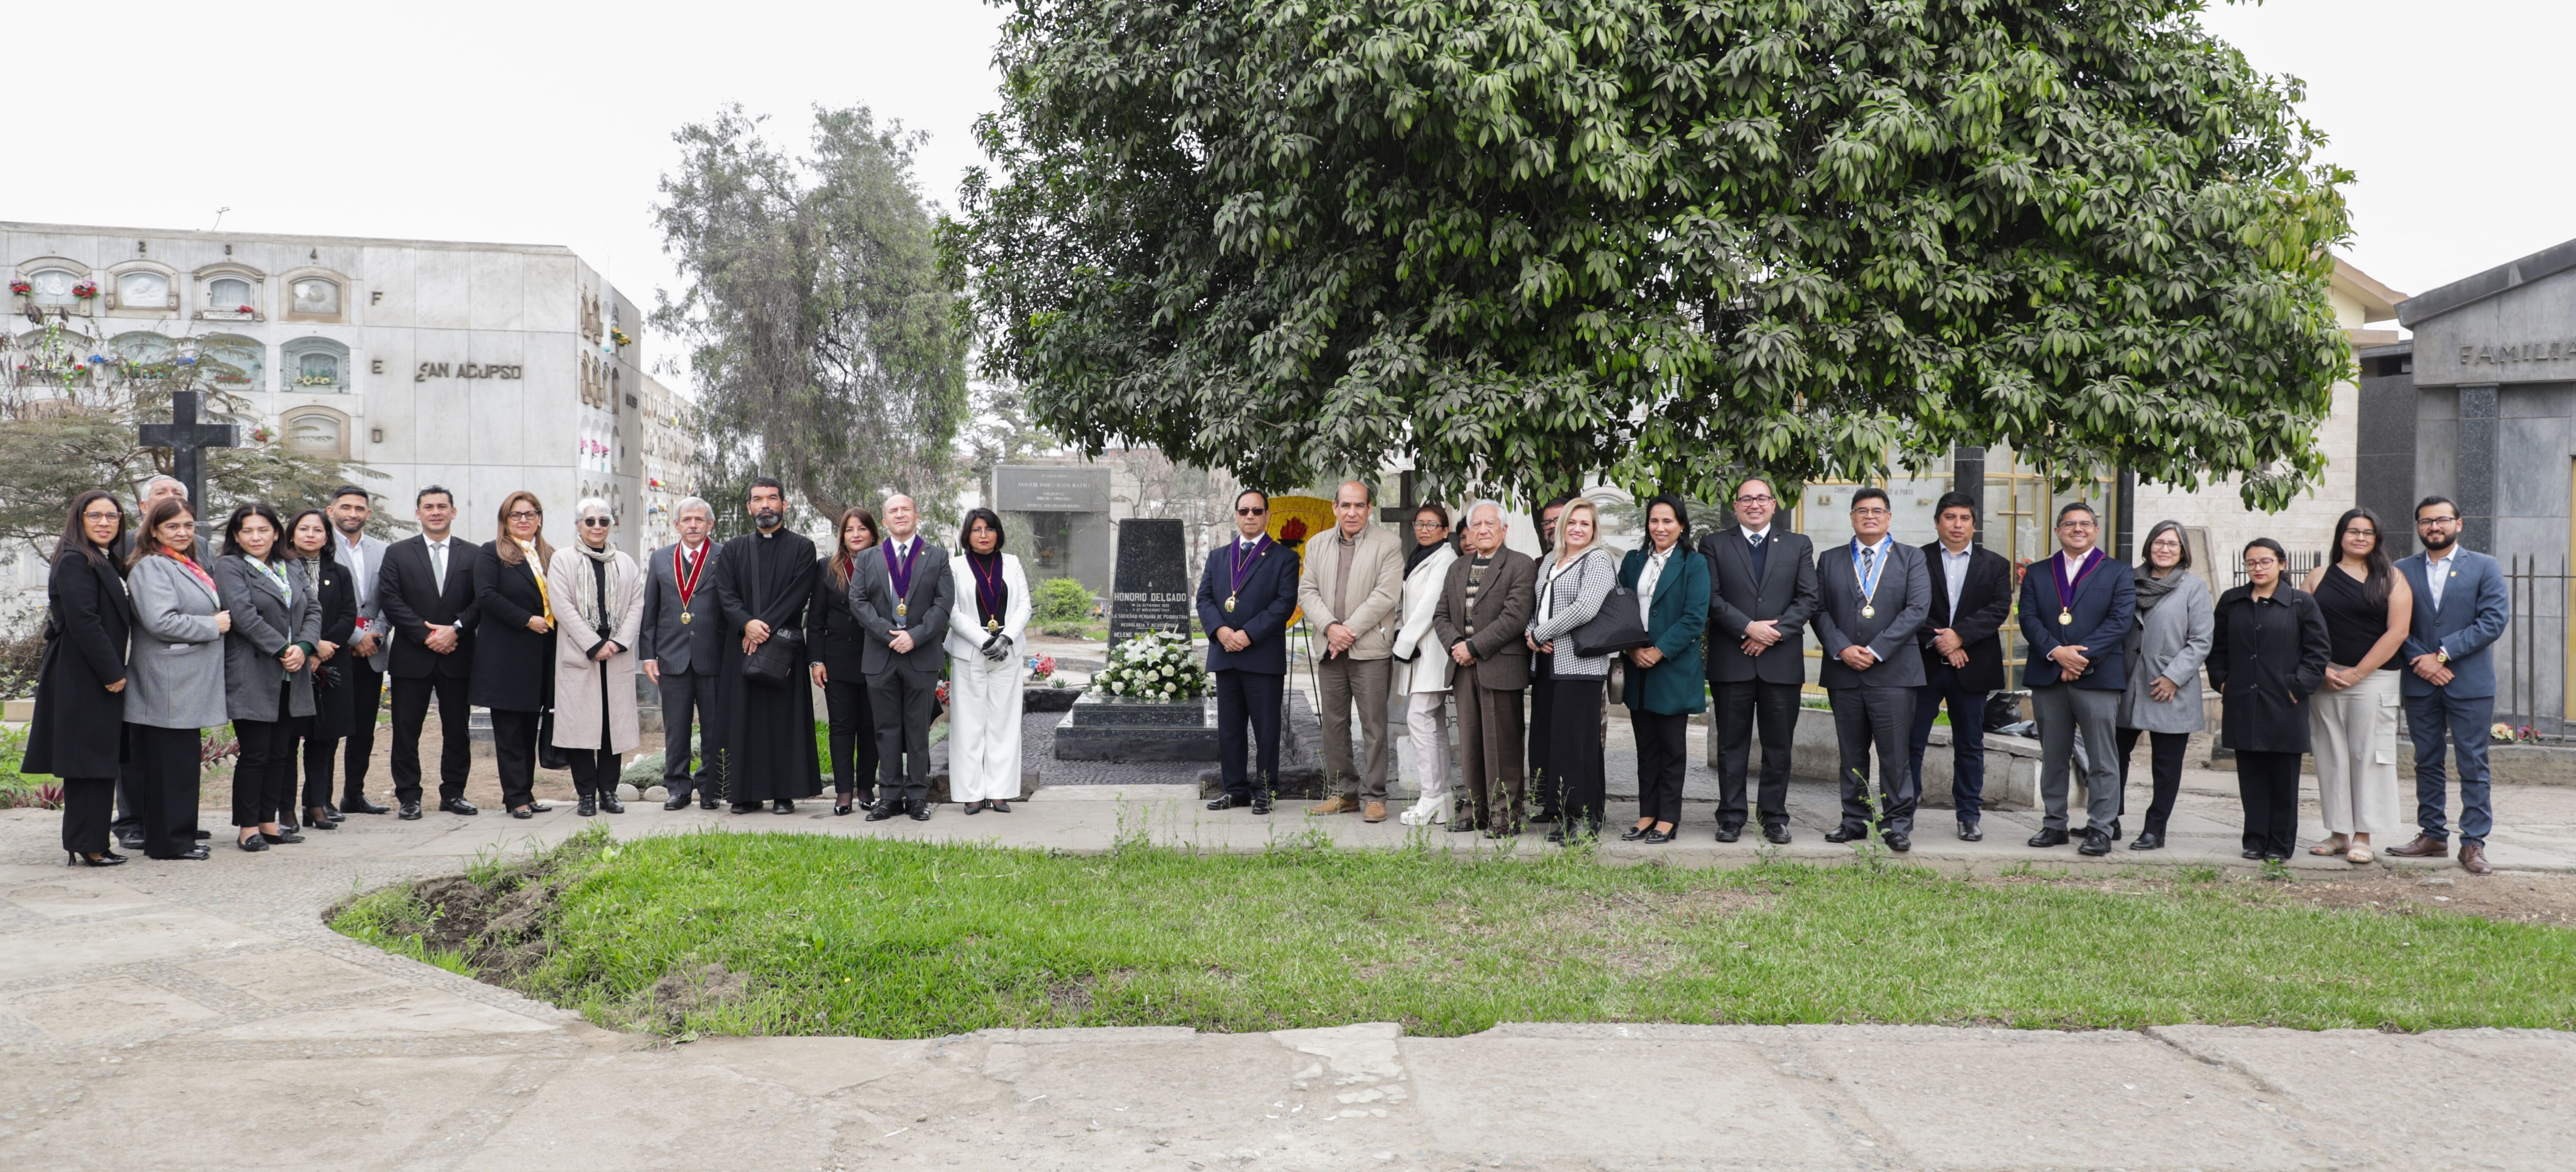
point(1429, 809)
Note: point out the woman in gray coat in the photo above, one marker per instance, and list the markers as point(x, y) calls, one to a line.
point(2165, 649)
point(268, 669)
point(175, 674)
point(1569, 688)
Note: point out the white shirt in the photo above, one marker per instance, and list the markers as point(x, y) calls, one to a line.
point(353, 558)
point(1646, 580)
point(691, 554)
point(438, 561)
point(2438, 571)
point(1756, 536)
point(1954, 568)
point(1246, 543)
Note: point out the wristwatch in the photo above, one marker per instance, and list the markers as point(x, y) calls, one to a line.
point(2442, 656)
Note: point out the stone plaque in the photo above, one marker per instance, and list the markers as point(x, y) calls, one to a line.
point(1152, 588)
point(1051, 489)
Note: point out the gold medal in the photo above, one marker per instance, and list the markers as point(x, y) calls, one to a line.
point(684, 618)
point(2065, 618)
point(901, 609)
point(1869, 612)
point(1229, 604)
point(993, 625)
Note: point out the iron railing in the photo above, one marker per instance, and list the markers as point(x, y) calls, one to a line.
point(2531, 662)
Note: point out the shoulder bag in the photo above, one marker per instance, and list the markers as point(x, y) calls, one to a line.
point(1615, 627)
point(773, 662)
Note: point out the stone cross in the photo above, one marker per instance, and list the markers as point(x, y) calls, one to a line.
point(187, 440)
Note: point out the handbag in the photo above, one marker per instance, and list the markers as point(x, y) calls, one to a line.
point(773, 663)
point(1615, 627)
point(549, 754)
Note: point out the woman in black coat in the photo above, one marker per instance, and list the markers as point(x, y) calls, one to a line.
point(514, 646)
point(78, 730)
point(309, 554)
point(2266, 658)
point(833, 635)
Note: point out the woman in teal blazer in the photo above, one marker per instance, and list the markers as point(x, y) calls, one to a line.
point(1664, 682)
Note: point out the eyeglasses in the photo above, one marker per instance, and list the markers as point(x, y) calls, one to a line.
point(2077, 525)
point(524, 515)
point(1431, 525)
point(1755, 500)
point(2421, 522)
point(2361, 533)
point(2261, 563)
point(1250, 512)
point(595, 522)
point(1871, 511)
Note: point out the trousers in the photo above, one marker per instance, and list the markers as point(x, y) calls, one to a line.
point(686, 698)
point(2353, 732)
point(1875, 718)
point(902, 708)
point(412, 695)
point(366, 698)
point(1340, 682)
point(514, 756)
point(165, 787)
point(2066, 712)
point(1967, 737)
point(1247, 702)
point(2466, 720)
point(1572, 714)
point(264, 772)
point(1741, 707)
point(1489, 753)
point(984, 729)
point(2268, 784)
point(2165, 768)
point(1663, 753)
point(87, 802)
point(852, 739)
point(1425, 729)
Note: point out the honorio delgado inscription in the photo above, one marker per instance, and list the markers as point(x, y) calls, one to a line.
point(431, 370)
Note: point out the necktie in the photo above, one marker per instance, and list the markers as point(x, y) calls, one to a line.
point(438, 564)
point(1761, 558)
point(1868, 559)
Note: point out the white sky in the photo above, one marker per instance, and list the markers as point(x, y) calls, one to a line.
point(545, 123)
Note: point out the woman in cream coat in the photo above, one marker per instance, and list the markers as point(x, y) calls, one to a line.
point(1423, 675)
point(987, 628)
point(599, 614)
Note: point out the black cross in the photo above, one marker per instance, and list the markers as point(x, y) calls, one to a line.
point(187, 440)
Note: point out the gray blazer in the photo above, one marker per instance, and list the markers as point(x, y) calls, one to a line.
point(678, 648)
point(177, 661)
point(1558, 609)
point(2170, 641)
point(925, 613)
point(263, 625)
point(371, 609)
point(1903, 601)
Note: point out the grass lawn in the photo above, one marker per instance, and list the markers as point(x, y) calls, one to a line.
point(799, 934)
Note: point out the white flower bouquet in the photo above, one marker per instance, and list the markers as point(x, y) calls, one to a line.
point(1162, 665)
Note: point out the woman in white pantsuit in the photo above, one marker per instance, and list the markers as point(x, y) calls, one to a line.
point(1423, 665)
point(986, 629)
point(2352, 720)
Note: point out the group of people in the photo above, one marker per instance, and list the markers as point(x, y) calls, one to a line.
point(286, 630)
point(2113, 653)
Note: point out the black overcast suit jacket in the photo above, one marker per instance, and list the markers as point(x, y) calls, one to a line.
point(1985, 602)
point(1785, 594)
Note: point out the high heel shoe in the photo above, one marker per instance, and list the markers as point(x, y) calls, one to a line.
point(320, 819)
point(107, 859)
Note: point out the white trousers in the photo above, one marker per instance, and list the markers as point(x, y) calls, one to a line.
point(1425, 728)
point(983, 729)
point(2354, 736)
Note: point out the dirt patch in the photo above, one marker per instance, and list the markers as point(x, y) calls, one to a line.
point(2518, 898)
point(668, 1004)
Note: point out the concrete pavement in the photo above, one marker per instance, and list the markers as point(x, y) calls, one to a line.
point(164, 1015)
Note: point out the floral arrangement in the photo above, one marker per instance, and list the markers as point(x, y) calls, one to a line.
point(1160, 665)
point(317, 380)
point(2506, 734)
point(619, 337)
point(243, 309)
point(1041, 667)
point(85, 290)
point(22, 288)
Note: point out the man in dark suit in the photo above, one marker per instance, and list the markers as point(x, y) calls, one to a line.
point(369, 649)
point(1762, 589)
point(427, 593)
point(2076, 608)
point(1963, 653)
point(681, 644)
point(1483, 610)
point(1245, 597)
point(1871, 598)
point(2461, 609)
point(901, 593)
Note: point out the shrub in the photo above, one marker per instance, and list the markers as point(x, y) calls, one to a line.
point(1059, 600)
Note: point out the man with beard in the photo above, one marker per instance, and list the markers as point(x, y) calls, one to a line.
point(364, 559)
point(763, 738)
point(897, 589)
point(2461, 609)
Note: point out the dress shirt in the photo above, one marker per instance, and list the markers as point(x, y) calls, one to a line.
point(1646, 580)
point(1954, 569)
point(1755, 536)
point(438, 561)
point(2437, 571)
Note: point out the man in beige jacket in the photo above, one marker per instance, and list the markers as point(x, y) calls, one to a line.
point(1350, 590)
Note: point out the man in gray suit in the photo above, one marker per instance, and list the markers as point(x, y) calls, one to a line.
point(364, 559)
point(678, 649)
point(1873, 595)
point(903, 588)
point(1762, 589)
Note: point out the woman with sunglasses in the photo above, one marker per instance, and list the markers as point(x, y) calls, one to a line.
point(514, 646)
point(2267, 655)
point(600, 594)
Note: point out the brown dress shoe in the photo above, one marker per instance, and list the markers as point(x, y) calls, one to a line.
point(2425, 846)
point(2473, 858)
point(1341, 805)
point(1373, 812)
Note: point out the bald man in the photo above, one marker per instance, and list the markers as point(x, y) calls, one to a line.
point(1351, 589)
point(901, 592)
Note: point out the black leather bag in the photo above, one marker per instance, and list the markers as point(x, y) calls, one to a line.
point(773, 663)
point(549, 754)
point(1615, 627)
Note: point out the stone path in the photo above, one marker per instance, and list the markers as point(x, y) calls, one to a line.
point(199, 1015)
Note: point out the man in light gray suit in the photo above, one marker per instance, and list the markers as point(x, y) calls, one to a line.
point(678, 649)
point(1873, 594)
point(902, 587)
point(364, 559)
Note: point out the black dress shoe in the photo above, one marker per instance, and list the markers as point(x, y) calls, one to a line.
point(410, 812)
point(1656, 837)
point(1634, 833)
point(1729, 833)
point(537, 807)
point(358, 804)
point(884, 810)
point(608, 803)
point(1555, 837)
point(1261, 801)
point(523, 812)
point(707, 803)
point(2115, 830)
point(1226, 802)
point(254, 843)
point(2251, 855)
point(1459, 824)
point(1776, 835)
point(840, 807)
point(2047, 837)
point(323, 823)
point(1844, 834)
point(681, 803)
point(742, 807)
point(2148, 840)
point(2097, 843)
point(998, 806)
point(1899, 841)
point(919, 809)
point(132, 844)
point(1968, 832)
point(287, 834)
point(457, 806)
point(332, 813)
point(203, 835)
point(585, 807)
point(194, 854)
point(974, 807)
point(782, 806)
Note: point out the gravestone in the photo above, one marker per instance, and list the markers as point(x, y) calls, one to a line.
point(1152, 589)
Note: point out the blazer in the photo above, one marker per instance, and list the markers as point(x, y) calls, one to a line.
point(514, 667)
point(264, 625)
point(77, 730)
point(1675, 616)
point(334, 706)
point(833, 636)
point(926, 609)
point(1493, 628)
point(966, 632)
point(413, 602)
point(1376, 589)
point(2473, 615)
point(2266, 659)
point(1558, 608)
point(1904, 597)
point(2105, 607)
point(175, 666)
point(366, 592)
point(2171, 641)
point(1985, 603)
point(1261, 611)
point(578, 694)
point(1417, 646)
point(680, 648)
point(1785, 595)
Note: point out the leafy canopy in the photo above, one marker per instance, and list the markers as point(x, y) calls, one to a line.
point(1527, 240)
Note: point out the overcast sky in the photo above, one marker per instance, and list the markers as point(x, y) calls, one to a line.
point(517, 122)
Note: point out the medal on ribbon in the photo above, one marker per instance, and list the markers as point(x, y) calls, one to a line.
point(988, 590)
point(899, 571)
point(1244, 560)
point(2067, 587)
point(1869, 583)
point(687, 577)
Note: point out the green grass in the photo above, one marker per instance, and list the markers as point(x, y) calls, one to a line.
point(385, 918)
point(895, 939)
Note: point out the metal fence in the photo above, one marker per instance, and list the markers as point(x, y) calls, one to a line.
point(2531, 661)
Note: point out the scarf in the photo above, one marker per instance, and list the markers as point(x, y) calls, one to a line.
point(2152, 590)
point(1420, 551)
point(313, 572)
point(589, 590)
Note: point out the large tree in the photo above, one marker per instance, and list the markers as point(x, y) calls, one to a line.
point(1526, 241)
point(826, 343)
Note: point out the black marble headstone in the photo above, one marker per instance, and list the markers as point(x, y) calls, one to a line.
point(1151, 589)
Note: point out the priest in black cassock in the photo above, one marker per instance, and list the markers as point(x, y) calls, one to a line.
point(763, 744)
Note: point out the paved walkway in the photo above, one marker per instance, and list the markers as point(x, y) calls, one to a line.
point(198, 1015)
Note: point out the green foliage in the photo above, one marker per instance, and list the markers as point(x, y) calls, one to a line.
point(1059, 600)
point(19, 789)
point(1527, 240)
point(825, 341)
